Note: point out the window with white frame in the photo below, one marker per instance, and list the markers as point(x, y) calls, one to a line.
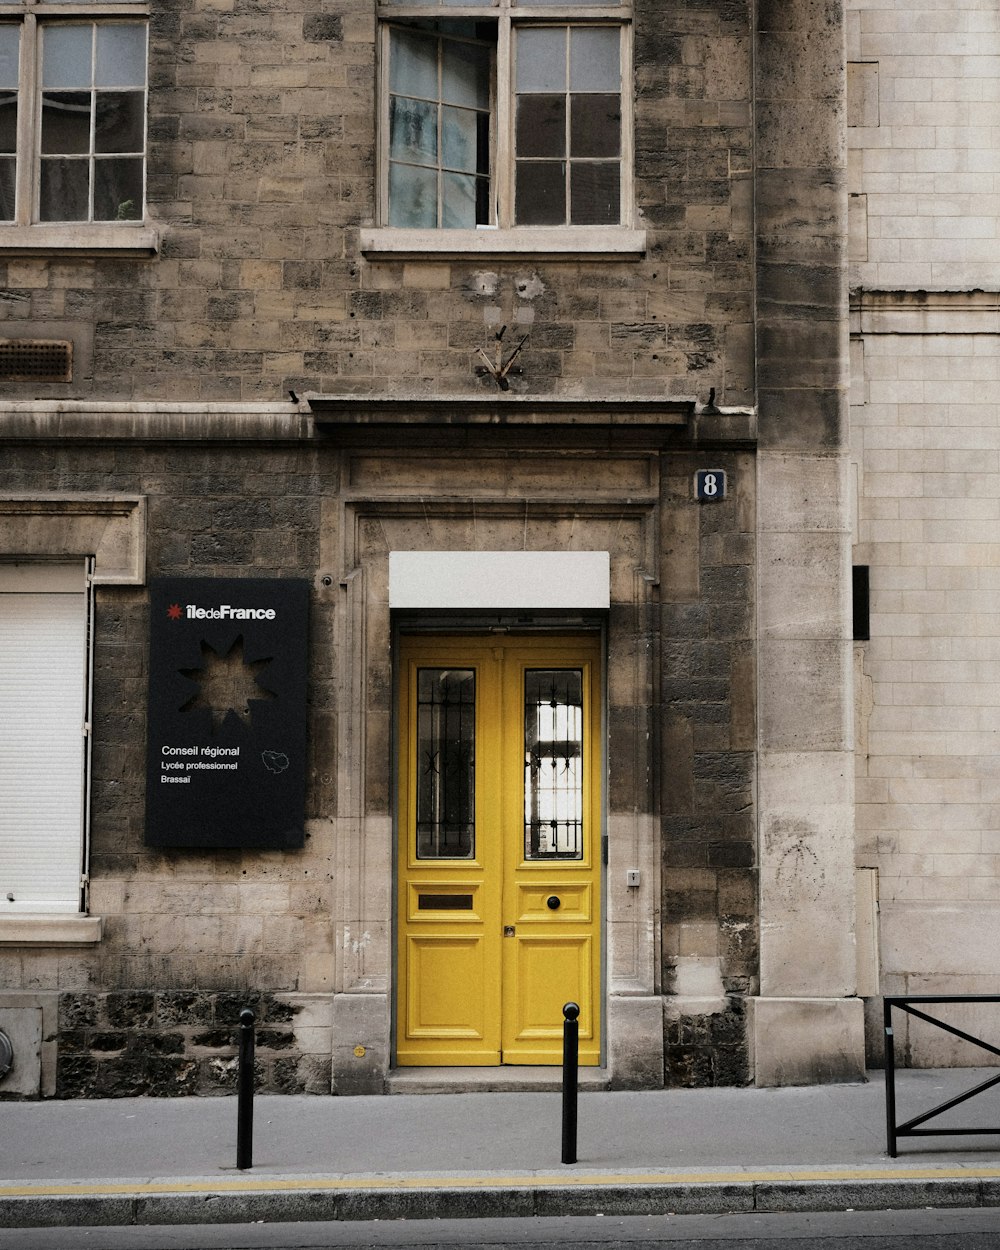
point(45, 632)
point(504, 113)
point(72, 112)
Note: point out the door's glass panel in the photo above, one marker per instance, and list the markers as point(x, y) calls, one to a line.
point(553, 764)
point(446, 763)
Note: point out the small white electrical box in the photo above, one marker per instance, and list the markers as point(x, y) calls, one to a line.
point(632, 878)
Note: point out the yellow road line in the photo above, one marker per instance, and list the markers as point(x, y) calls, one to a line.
point(243, 1185)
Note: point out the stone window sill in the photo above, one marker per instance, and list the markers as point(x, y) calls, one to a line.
point(538, 242)
point(86, 238)
point(50, 929)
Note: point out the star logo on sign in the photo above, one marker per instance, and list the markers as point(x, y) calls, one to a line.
point(175, 612)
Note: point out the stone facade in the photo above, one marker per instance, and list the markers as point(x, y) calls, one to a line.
point(923, 103)
point(277, 393)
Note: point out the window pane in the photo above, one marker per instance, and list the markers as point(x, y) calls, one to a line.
point(412, 196)
point(540, 191)
point(595, 193)
point(595, 125)
point(7, 188)
point(541, 58)
point(461, 201)
point(460, 140)
point(9, 77)
point(441, 122)
point(121, 55)
point(67, 56)
point(118, 189)
point(465, 74)
point(553, 764)
point(63, 191)
point(541, 125)
point(8, 123)
point(413, 65)
point(66, 121)
point(413, 130)
point(446, 763)
point(118, 126)
point(594, 59)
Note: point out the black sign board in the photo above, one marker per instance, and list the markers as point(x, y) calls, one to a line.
point(226, 759)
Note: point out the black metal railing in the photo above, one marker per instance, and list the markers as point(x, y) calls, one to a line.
point(911, 1128)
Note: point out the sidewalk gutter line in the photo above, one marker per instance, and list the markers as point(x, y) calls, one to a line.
point(238, 1201)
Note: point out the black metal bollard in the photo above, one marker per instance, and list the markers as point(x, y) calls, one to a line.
point(244, 1092)
point(571, 1056)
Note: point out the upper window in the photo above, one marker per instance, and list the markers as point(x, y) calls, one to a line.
point(72, 113)
point(500, 115)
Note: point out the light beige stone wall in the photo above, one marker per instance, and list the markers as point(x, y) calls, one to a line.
point(924, 103)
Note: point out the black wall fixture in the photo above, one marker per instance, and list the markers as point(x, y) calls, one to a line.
point(226, 729)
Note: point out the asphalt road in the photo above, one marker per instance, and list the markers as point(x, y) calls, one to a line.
point(930, 1229)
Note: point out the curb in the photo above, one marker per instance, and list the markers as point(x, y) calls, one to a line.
point(107, 1204)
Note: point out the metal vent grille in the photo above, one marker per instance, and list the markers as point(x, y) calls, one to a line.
point(36, 360)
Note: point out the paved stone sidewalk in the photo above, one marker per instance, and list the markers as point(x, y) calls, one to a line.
point(155, 1161)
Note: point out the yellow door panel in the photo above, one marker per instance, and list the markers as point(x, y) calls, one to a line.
point(499, 803)
point(444, 902)
point(548, 971)
point(443, 1001)
point(555, 902)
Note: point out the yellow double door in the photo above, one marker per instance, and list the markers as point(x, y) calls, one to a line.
point(499, 894)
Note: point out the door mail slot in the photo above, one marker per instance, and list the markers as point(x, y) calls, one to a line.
point(444, 902)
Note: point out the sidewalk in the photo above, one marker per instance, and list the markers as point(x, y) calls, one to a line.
point(172, 1161)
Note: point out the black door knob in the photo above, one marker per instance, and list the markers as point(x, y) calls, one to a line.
point(553, 903)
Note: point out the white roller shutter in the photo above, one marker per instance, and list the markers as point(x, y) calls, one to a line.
point(44, 628)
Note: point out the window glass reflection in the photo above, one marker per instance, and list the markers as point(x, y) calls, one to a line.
point(553, 764)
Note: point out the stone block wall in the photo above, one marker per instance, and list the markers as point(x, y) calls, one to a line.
point(191, 937)
point(926, 383)
point(168, 1044)
point(707, 790)
point(261, 172)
